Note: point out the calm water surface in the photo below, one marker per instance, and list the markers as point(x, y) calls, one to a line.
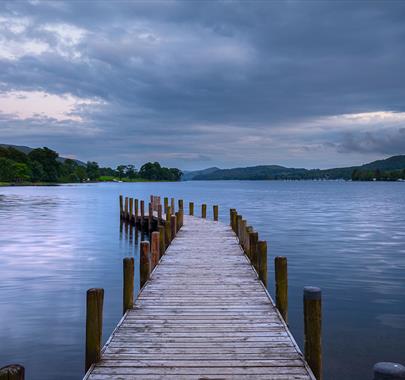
point(348, 238)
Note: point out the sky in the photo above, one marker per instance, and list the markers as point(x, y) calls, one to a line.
point(195, 84)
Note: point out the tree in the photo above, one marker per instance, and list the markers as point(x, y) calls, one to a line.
point(92, 170)
point(131, 172)
point(121, 170)
point(47, 158)
point(6, 169)
point(21, 172)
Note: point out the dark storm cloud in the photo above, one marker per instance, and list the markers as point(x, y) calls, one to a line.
point(189, 82)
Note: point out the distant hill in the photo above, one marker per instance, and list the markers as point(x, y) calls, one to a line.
point(266, 172)
point(189, 175)
point(27, 149)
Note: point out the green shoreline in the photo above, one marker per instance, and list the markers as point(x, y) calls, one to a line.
point(38, 184)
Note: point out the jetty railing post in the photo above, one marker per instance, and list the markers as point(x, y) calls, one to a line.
point(150, 216)
point(242, 233)
point(126, 208)
point(181, 204)
point(121, 206)
point(94, 325)
point(191, 208)
point(246, 240)
point(155, 248)
point(144, 262)
point(281, 284)
point(203, 210)
point(173, 209)
point(215, 212)
point(159, 214)
point(12, 372)
point(253, 239)
point(168, 231)
point(128, 291)
point(136, 206)
point(131, 208)
point(388, 371)
point(234, 221)
point(238, 225)
point(166, 203)
point(312, 329)
point(262, 261)
point(162, 243)
point(231, 218)
point(142, 213)
point(173, 225)
point(177, 214)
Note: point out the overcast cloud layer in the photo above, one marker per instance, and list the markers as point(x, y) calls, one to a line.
point(196, 84)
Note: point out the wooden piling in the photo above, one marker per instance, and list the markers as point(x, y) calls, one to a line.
point(121, 206)
point(136, 206)
point(168, 231)
point(191, 208)
point(177, 214)
point(155, 249)
point(173, 209)
point(94, 326)
point(281, 284)
point(246, 240)
point(12, 372)
point(150, 216)
point(131, 208)
point(144, 262)
point(262, 261)
point(142, 213)
point(181, 216)
point(162, 242)
point(181, 204)
point(126, 209)
point(128, 284)
point(159, 214)
point(238, 225)
point(234, 221)
point(215, 212)
point(313, 329)
point(203, 210)
point(173, 226)
point(253, 239)
point(231, 213)
point(166, 203)
point(242, 236)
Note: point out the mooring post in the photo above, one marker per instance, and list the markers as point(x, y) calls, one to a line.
point(173, 209)
point(181, 217)
point(150, 216)
point(246, 241)
point(162, 243)
point(168, 231)
point(94, 325)
point(253, 239)
point(181, 204)
point(159, 214)
point(177, 214)
point(173, 225)
point(121, 206)
point(231, 212)
point(215, 212)
point(144, 262)
point(191, 208)
point(281, 283)
point(262, 261)
point(12, 372)
point(142, 213)
point(242, 234)
point(126, 208)
point(166, 203)
point(388, 371)
point(312, 329)
point(155, 248)
point(235, 221)
point(131, 208)
point(128, 291)
point(238, 225)
point(203, 210)
point(136, 206)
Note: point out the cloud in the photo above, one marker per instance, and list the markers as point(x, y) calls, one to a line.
point(195, 82)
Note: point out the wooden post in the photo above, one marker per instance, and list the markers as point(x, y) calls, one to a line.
point(128, 293)
point(142, 213)
point(231, 212)
point(173, 225)
point(238, 225)
point(215, 212)
point(136, 210)
point(155, 249)
point(234, 221)
point(121, 206)
point(144, 262)
point(166, 203)
point(126, 208)
point(313, 329)
point(181, 214)
point(181, 204)
point(150, 216)
point(387, 371)
point(203, 210)
point(162, 243)
point(242, 236)
point(246, 240)
point(168, 231)
point(262, 261)
point(253, 239)
point(177, 214)
point(131, 208)
point(191, 208)
point(173, 209)
point(281, 283)
point(12, 372)
point(159, 214)
point(94, 326)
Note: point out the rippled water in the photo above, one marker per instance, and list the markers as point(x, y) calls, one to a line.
point(348, 238)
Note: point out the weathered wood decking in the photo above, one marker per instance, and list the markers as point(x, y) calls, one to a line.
point(204, 314)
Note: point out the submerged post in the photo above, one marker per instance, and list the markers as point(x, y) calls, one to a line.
point(388, 371)
point(191, 208)
point(281, 283)
point(128, 293)
point(155, 249)
point(144, 262)
point(203, 210)
point(131, 208)
point(126, 208)
point(262, 261)
point(312, 329)
point(142, 212)
point(12, 372)
point(136, 206)
point(162, 243)
point(94, 325)
point(121, 206)
point(215, 212)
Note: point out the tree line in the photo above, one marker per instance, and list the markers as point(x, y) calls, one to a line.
point(44, 165)
point(378, 175)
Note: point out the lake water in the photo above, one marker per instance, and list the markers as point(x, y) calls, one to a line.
point(348, 238)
